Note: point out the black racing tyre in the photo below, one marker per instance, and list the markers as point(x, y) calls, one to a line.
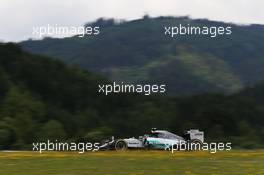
point(196, 145)
point(175, 147)
point(121, 145)
point(148, 146)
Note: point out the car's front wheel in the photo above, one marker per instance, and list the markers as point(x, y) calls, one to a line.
point(121, 145)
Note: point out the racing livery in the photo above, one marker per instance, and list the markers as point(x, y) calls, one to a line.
point(157, 139)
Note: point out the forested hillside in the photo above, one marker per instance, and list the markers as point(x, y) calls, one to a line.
point(42, 98)
point(138, 51)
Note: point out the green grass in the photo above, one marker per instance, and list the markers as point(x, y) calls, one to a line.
point(133, 163)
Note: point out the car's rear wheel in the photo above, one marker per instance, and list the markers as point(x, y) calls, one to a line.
point(121, 145)
point(196, 145)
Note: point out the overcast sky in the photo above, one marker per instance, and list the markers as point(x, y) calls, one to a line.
point(18, 17)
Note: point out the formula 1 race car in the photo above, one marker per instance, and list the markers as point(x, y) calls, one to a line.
point(157, 139)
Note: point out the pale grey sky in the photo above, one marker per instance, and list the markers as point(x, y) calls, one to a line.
point(17, 17)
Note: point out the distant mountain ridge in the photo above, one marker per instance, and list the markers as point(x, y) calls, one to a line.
point(139, 52)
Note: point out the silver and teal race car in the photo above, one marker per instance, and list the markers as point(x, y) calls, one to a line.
point(157, 139)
